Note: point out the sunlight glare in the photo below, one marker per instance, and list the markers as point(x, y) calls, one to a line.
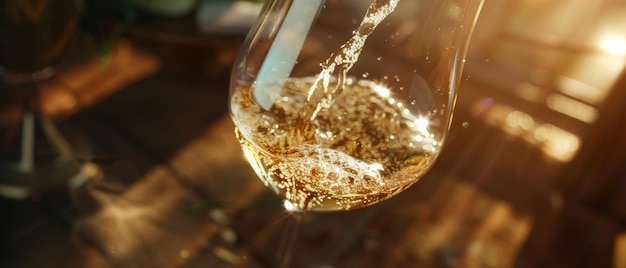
point(422, 124)
point(289, 206)
point(382, 91)
point(614, 44)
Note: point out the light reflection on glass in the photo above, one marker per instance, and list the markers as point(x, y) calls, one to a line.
point(289, 206)
point(382, 91)
point(422, 125)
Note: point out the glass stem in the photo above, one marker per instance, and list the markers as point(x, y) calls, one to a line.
point(288, 238)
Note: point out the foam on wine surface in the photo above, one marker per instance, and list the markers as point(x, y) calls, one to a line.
point(366, 148)
point(329, 142)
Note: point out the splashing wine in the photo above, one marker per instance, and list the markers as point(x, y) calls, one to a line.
point(330, 139)
point(351, 161)
point(320, 96)
point(339, 156)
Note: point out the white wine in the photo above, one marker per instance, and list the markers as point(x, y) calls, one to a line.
point(333, 145)
point(321, 93)
point(363, 148)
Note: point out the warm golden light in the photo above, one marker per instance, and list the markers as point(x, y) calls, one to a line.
point(619, 250)
point(556, 143)
point(561, 145)
point(422, 125)
point(530, 92)
point(614, 44)
point(572, 108)
point(290, 206)
point(383, 91)
point(521, 120)
point(580, 90)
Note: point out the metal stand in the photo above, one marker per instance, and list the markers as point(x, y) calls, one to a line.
point(35, 158)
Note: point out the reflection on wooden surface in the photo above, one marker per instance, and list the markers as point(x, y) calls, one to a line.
point(83, 85)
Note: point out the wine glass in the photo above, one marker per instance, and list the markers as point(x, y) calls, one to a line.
point(341, 104)
point(34, 37)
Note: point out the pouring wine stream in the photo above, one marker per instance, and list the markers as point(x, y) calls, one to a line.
point(320, 96)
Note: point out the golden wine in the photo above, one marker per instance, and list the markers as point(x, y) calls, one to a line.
point(364, 147)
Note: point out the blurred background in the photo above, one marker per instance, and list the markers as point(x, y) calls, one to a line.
point(533, 174)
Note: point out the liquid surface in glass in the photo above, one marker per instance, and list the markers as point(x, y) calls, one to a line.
point(331, 142)
point(364, 148)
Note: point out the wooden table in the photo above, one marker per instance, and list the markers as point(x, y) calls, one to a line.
point(176, 191)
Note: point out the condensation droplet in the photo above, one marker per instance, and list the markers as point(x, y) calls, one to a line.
point(465, 124)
